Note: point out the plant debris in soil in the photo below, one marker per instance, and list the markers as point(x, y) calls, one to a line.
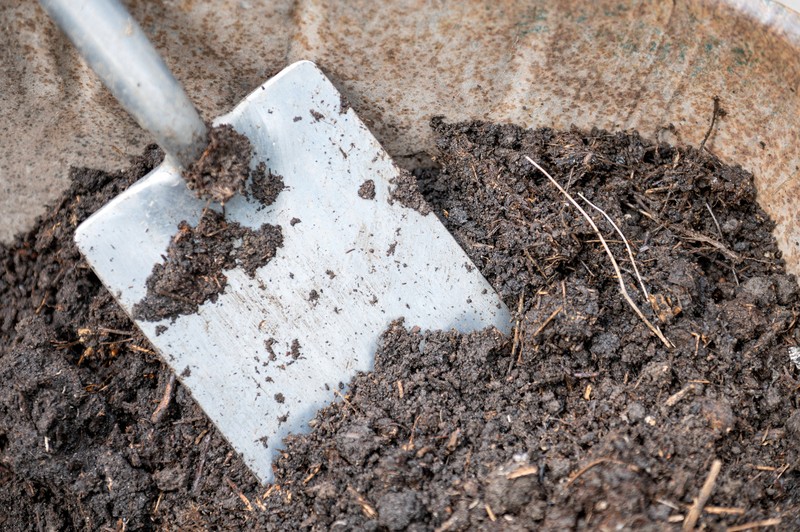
point(197, 257)
point(582, 419)
point(224, 166)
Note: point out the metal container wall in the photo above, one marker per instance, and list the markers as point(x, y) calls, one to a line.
point(649, 65)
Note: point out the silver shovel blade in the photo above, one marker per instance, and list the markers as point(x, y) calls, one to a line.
point(370, 262)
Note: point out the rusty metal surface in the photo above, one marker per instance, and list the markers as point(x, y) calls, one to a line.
point(616, 65)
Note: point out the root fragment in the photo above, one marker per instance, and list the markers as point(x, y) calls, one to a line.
point(622, 288)
point(161, 409)
point(701, 500)
point(624, 240)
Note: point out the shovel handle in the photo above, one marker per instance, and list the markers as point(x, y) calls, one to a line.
point(118, 51)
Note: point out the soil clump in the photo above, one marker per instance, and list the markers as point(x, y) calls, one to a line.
point(367, 190)
point(264, 186)
point(582, 419)
point(406, 192)
point(197, 257)
point(224, 166)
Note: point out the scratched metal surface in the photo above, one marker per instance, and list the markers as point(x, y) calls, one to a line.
point(617, 65)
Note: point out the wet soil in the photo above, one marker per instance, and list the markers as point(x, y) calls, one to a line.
point(193, 271)
point(582, 419)
point(224, 166)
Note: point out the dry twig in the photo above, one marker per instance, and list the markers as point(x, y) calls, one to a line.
point(547, 321)
point(594, 463)
point(624, 240)
point(689, 234)
point(161, 409)
point(523, 472)
point(724, 510)
point(515, 343)
point(775, 521)
point(722, 238)
point(624, 290)
point(717, 112)
point(197, 484)
point(242, 496)
point(673, 399)
point(366, 507)
point(705, 492)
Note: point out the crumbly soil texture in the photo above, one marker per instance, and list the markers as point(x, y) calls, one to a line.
point(581, 419)
point(196, 260)
point(223, 167)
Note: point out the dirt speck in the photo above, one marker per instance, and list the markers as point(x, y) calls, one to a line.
point(294, 350)
point(268, 343)
point(367, 190)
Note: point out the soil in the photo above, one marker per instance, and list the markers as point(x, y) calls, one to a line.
point(224, 166)
point(194, 269)
point(582, 419)
point(406, 192)
point(367, 190)
point(264, 186)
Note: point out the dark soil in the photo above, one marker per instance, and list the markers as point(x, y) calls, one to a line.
point(264, 186)
point(196, 260)
point(193, 270)
point(367, 190)
point(224, 166)
point(583, 419)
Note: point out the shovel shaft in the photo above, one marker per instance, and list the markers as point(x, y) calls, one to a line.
point(116, 48)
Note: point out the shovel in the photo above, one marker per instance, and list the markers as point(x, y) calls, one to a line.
point(367, 260)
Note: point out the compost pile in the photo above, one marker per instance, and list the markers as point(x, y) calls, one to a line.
point(582, 418)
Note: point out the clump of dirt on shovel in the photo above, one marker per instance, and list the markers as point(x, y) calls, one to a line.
point(223, 168)
point(582, 419)
point(264, 185)
point(194, 269)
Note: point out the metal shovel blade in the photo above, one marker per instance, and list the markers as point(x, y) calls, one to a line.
point(387, 262)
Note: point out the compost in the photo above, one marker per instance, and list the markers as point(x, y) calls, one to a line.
point(582, 418)
point(224, 166)
point(196, 259)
